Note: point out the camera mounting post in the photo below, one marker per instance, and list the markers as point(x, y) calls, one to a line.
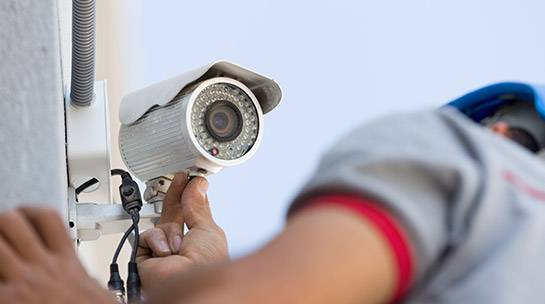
point(155, 192)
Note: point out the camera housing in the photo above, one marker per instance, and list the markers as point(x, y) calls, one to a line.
point(200, 121)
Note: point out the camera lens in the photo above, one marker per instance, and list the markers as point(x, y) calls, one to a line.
point(223, 121)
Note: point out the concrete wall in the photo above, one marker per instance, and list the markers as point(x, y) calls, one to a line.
point(33, 162)
point(35, 51)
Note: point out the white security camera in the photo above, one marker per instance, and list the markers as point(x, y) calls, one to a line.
point(200, 121)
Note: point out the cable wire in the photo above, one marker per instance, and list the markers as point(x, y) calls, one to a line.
point(135, 220)
point(121, 243)
point(86, 185)
point(117, 171)
point(93, 180)
point(133, 278)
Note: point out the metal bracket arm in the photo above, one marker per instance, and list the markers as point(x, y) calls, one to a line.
point(94, 220)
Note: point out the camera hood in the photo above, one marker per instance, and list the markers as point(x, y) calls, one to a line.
point(137, 103)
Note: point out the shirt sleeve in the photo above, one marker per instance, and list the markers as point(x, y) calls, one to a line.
point(391, 231)
point(416, 169)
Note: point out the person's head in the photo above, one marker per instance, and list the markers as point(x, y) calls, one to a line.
point(520, 122)
point(514, 110)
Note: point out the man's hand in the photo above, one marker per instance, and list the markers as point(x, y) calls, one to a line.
point(38, 263)
point(165, 250)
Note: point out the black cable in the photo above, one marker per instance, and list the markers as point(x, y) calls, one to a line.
point(86, 185)
point(120, 172)
point(132, 203)
point(133, 284)
point(135, 221)
point(121, 243)
point(116, 284)
point(133, 278)
point(93, 180)
point(131, 199)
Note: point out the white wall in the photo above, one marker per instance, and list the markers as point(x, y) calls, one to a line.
point(340, 63)
point(31, 104)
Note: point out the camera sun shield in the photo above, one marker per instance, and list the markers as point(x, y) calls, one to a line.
point(136, 104)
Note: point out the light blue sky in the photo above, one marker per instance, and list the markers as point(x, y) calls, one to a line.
point(340, 63)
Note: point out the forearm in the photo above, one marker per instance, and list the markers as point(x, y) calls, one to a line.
point(325, 255)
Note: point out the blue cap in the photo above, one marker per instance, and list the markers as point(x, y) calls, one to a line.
point(483, 102)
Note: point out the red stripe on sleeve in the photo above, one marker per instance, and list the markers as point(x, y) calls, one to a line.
point(392, 232)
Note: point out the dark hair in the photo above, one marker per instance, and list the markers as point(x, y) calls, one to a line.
point(524, 138)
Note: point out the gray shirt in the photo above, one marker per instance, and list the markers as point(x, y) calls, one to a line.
point(472, 203)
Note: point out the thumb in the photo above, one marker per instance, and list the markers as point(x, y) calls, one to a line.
point(196, 210)
point(172, 204)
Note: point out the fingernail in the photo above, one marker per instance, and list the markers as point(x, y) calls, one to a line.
point(163, 246)
point(176, 243)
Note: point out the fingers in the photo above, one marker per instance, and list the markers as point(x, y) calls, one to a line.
point(20, 235)
point(50, 227)
point(26, 234)
point(163, 240)
point(174, 234)
point(153, 242)
point(172, 208)
point(196, 210)
point(11, 266)
point(186, 201)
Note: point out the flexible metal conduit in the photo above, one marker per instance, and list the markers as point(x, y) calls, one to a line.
point(83, 52)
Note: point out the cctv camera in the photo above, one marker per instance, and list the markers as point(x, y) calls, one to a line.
point(199, 122)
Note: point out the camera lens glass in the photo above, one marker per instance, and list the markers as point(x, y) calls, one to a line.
point(223, 120)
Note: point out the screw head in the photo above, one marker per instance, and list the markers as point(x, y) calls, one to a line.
point(127, 191)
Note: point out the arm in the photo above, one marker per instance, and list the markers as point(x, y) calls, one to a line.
point(325, 255)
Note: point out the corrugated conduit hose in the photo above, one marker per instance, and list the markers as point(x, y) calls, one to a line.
point(83, 52)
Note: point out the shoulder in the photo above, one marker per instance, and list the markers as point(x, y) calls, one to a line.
point(418, 134)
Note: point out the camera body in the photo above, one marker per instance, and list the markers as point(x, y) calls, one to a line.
point(200, 121)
